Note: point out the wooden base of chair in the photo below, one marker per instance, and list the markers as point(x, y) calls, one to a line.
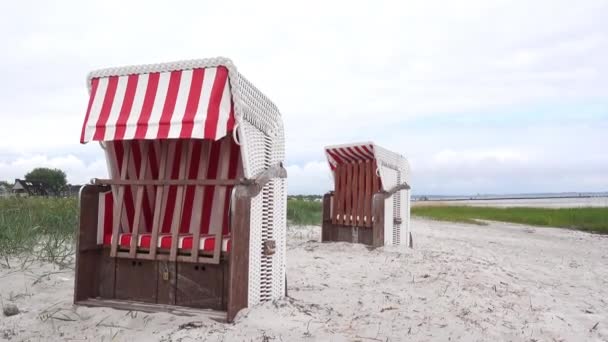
point(202, 286)
point(155, 285)
point(370, 235)
point(334, 232)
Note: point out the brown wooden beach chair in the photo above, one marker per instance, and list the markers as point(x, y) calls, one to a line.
point(370, 203)
point(193, 213)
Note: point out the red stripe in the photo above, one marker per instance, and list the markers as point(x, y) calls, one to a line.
point(154, 167)
point(146, 109)
point(125, 110)
point(214, 157)
point(368, 150)
point(232, 172)
point(356, 157)
point(172, 193)
point(195, 160)
point(192, 105)
point(94, 84)
point(345, 155)
point(100, 129)
point(213, 111)
point(361, 152)
point(147, 206)
point(108, 213)
point(165, 120)
point(230, 123)
point(335, 156)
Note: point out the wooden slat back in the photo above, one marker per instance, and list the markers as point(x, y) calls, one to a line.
point(355, 195)
point(355, 184)
point(348, 195)
point(361, 195)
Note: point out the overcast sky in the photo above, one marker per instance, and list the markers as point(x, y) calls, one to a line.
point(481, 96)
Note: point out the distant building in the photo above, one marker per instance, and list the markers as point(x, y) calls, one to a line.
point(32, 188)
point(70, 190)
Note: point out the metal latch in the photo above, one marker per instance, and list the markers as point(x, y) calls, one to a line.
point(270, 247)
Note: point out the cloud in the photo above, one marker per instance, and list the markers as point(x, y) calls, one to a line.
point(435, 80)
point(312, 178)
point(78, 172)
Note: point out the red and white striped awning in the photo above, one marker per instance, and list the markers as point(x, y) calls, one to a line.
point(351, 153)
point(194, 103)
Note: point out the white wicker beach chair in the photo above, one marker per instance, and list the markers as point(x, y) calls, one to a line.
point(370, 202)
point(193, 213)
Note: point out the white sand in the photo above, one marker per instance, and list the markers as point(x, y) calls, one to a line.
point(461, 282)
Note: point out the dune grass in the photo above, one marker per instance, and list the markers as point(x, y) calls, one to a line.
point(37, 228)
point(586, 219)
point(303, 212)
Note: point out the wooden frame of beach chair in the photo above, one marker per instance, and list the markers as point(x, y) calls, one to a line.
point(370, 203)
point(193, 215)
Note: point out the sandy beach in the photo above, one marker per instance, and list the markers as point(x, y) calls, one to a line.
point(500, 282)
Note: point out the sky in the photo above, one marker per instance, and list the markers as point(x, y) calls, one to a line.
point(480, 96)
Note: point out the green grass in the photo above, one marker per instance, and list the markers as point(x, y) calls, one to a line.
point(303, 212)
point(587, 219)
point(38, 228)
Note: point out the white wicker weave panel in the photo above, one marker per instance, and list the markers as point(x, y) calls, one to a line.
point(405, 217)
point(253, 149)
point(390, 178)
point(266, 278)
point(255, 250)
point(388, 221)
point(279, 234)
point(397, 214)
point(253, 106)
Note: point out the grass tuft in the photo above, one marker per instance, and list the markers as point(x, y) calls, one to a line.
point(303, 212)
point(42, 228)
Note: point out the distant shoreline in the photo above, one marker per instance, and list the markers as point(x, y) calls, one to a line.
point(445, 199)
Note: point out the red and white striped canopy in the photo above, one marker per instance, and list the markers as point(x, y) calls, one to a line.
point(194, 103)
point(351, 153)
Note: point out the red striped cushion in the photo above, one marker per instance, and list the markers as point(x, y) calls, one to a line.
point(207, 242)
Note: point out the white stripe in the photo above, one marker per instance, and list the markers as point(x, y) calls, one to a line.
point(161, 239)
point(201, 245)
point(139, 237)
point(138, 102)
point(180, 104)
point(224, 112)
point(225, 244)
point(180, 243)
point(198, 131)
point(159, 103)
point(119, 97)
point(100, 94)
